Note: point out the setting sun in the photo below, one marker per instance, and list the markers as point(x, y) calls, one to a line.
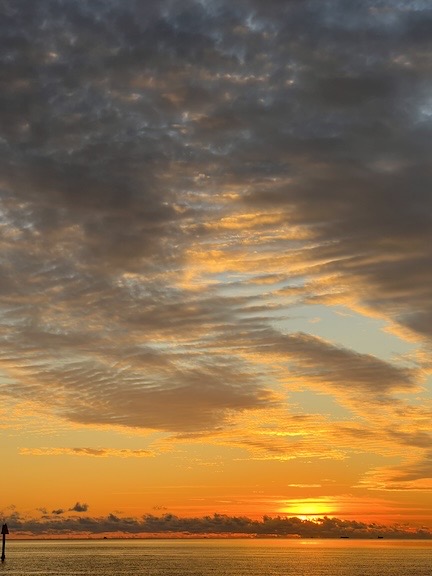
point(308, 508)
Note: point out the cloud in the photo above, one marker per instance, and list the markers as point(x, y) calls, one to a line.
point(356, 381)
point(79, 507)
point(177, 175)
point(414, 473)
point(304, 485)
point(218, 524)
point(92, 452)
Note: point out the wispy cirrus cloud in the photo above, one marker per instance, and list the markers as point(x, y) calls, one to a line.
point(92, 452)
point(414, 473)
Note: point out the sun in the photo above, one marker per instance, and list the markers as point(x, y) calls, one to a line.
point(308, 508)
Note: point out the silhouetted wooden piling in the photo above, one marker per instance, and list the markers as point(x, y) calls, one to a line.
point(4, 531)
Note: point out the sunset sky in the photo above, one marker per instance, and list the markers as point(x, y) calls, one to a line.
point(216, 272)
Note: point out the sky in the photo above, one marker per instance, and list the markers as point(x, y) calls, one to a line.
point(215, 267)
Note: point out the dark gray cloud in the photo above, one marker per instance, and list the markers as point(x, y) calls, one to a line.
point(78, 507)
point(218, 524)
point(314, 362)
point(134, 139)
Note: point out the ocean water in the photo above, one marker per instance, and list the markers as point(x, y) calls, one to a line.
point(218, 558)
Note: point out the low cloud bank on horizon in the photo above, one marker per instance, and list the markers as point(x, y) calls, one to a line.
point(218, 524)
point(192, 196)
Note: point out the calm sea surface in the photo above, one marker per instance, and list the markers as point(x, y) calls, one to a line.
point(219, 558)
